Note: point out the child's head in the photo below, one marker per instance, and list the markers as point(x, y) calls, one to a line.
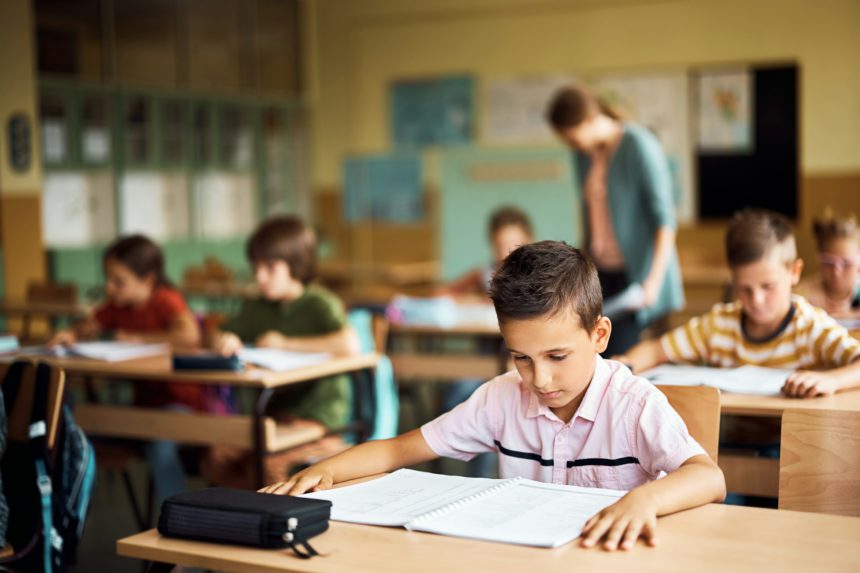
point(762, 256)
point(581, 119)
point(509, 228)
point(282, 252)
point(838, 241)
point(134, 267)
point(549, 303)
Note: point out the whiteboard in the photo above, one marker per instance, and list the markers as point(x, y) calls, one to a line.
point(515, 109)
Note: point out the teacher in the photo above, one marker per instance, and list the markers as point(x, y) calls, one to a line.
point(630, 216)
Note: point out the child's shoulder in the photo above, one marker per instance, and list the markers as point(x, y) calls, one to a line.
point(167, 296)
point(808, 314)
point(625, 385)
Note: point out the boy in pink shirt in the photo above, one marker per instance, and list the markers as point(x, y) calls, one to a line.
point(565, 415)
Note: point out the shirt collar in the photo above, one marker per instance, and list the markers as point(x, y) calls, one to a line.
point(590, 402)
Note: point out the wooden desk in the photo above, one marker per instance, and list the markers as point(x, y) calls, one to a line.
point(713, 538)
point(447, 367)
point(760, 475)
point(257, 432)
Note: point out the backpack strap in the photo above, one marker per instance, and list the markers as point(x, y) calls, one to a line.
point(38, 443)
point(12, 383)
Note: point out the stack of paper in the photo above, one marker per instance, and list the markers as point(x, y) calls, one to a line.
point(743, 380)
point(107, 351)
point(281, 360)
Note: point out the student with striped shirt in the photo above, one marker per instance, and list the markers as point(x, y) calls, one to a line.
point(564, 416)
point(767, 325)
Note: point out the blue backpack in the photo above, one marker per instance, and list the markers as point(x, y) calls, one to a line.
point(48, 491)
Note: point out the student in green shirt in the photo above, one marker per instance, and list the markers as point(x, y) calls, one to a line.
point(291, 314)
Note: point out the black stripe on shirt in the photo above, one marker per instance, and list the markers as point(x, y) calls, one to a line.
point(570, 464)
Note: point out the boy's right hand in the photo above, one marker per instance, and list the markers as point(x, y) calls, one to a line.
point(63, 338)
point(227, 344)
point(315, 478)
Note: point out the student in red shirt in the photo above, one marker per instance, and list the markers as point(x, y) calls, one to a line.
point(142, 306)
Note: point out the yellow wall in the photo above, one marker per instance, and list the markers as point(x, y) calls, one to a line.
point(18, 92)
point(361, 46)
point(20, 193)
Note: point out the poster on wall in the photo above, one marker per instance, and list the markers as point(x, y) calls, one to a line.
point(725, 100)
point(515, 109)
point(383, 188)
point(660, 102)
point(436, 111)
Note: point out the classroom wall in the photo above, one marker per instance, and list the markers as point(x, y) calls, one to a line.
point(360, 47)
point(20, 192)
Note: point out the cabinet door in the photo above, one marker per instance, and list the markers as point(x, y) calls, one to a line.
point(77, 208)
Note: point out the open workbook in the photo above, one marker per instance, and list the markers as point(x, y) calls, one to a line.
point(516, 510)
point(742, 380)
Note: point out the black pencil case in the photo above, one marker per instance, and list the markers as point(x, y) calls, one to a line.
point(206, 362)
point(241, 517)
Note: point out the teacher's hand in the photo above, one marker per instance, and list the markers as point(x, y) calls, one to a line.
point(650, 292)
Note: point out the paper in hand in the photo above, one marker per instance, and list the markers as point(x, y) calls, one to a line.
point(627, 301)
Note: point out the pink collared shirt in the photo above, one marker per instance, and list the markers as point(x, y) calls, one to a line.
point(623, 434)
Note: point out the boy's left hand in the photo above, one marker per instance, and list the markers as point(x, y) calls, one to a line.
point(809, 384)
point(271, 339)
point(127, 336)
point(622, 523)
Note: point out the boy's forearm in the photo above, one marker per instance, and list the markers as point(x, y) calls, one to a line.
point(344, 342)
point(697, 482)
point(644, 356)
point(847, 377)
point(380, 456)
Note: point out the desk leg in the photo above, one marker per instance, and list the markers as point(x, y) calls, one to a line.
point(260, 434)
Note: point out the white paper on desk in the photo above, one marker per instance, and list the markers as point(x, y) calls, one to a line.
point(523, 512)
point(281, 360)
point(399, 497)
point(747, 379)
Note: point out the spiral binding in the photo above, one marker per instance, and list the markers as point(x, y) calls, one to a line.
point(430, 515)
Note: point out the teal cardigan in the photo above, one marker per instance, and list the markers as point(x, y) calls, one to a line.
point(639, 191)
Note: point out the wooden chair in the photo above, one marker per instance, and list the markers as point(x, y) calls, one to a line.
point(819, 462)
point(46, 293)
point(699, 407)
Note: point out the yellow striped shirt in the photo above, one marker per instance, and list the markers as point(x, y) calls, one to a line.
point(811, 339)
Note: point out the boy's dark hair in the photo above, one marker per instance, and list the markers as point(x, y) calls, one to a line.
point(754, 234)
point(572, 105)
point(545, 278)
point(829, 227)
point(510, 216)
point(285, 238)
point(141, 255)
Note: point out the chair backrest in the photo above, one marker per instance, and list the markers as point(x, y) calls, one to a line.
point(18, 419)
point(819, 461)
point(699, 407)
point(52, 293)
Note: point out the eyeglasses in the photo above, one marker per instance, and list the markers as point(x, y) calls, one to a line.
point(838, 263)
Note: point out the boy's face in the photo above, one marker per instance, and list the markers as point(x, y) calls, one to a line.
point(274, 279)
point(840, 265)
point(764, 289)
point(507, 239)
point(555, 357)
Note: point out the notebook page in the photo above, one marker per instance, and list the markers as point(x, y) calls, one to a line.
point(281, 360)
point(116, 351)
point(399, 497)
point(525, 512)
point(757, 380)
point(685, 375)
